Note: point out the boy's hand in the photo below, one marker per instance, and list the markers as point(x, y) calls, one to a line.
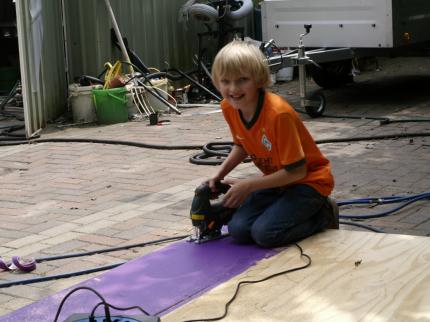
point(240, 189)
point(212, 185)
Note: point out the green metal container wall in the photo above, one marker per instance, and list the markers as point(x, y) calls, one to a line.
point(42, 64)
point(152, 28)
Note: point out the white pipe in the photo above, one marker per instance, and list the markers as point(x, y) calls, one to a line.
point(66, 42)
point(118, 36)
point(199, 105)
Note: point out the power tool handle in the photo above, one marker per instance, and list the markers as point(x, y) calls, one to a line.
point(221, 188)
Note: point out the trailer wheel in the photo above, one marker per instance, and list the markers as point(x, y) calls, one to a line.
point(241, 9)
point(318, 106)
point(332, 74)
point(203, 12)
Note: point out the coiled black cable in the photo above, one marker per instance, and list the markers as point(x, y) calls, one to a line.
point(214, 153)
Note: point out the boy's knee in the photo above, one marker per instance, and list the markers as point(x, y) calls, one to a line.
point(238, 232)
point(263, 238)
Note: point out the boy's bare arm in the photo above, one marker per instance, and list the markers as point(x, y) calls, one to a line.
point(241, 188)
point(235, 157)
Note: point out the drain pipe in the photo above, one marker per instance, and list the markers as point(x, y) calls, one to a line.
point(119, 36)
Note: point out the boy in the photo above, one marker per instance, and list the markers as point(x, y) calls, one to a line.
point(290, 201)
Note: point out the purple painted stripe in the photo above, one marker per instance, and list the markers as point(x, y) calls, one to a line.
point(158, 282)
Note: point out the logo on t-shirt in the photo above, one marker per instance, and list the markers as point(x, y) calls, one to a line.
point(266, 142)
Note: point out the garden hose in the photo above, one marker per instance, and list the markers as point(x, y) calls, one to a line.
point(214, 153)
point(114, 142)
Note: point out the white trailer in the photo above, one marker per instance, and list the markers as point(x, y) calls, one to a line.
point(339, 30)
point(347, 23)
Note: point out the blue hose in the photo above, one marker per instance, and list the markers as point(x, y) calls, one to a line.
point(380, 201)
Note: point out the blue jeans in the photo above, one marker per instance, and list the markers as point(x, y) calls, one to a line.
point(279, 216)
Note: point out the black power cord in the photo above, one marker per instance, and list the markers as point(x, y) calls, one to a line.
point(128, 143)
point(107, 317)
point(58, 276)
point(107, 250)
point(107, 313)
point(226, 306)
point(6, 133)
point(93, 311)
point(218, 151)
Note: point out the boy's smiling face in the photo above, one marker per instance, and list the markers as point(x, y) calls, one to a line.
point(241, 91)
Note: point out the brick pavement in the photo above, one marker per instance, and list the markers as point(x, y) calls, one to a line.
point(70, 197)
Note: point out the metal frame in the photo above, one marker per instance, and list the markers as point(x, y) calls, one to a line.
point(300, 57)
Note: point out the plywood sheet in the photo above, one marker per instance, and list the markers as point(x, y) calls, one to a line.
point(354, 276)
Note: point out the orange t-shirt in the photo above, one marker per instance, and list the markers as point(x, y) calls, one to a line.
point(276, 139)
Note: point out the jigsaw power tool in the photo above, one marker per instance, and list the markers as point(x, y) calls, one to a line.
point(208, 217)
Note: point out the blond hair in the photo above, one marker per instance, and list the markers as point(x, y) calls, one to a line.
point(241, 57)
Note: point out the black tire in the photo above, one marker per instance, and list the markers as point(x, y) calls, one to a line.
point(203, 12)
point(245, 8)
point(316, 111)
point(332, 74)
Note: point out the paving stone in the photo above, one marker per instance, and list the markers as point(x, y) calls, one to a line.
point(425, 226)
point(11, 234)
point(60, 229)
point(63, 237)
point(27, 240)
point(29, 292)
point(133, 232)
point(46, 225)
point(15, 303)
point(417, 215)
point(94, 226)
point(65, 247)
point(4, 298)
point(101, 240)
point(3, 311)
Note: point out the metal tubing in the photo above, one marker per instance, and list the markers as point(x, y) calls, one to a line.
point(154, 92)
point(302, 76)
point(196, 83)
point(119, 36)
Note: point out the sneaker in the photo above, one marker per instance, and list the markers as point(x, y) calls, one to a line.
point(331, 212)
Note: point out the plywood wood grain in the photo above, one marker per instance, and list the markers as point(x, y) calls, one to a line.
point(354, 276)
